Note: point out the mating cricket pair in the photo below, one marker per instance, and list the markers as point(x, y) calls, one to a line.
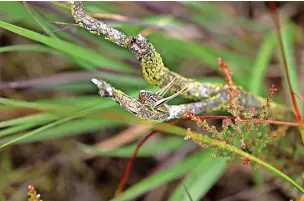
point(155, 101)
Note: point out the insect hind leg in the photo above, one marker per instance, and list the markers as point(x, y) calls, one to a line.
point(164, 100)
point(164, 90)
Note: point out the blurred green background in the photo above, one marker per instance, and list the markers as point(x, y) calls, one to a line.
point(57, 134)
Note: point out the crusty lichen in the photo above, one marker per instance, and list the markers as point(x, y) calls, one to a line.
point(132, 105)
point(97, 27)
point(211, 97)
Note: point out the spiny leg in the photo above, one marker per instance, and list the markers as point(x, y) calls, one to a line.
point(164, 90)
point(164, 100)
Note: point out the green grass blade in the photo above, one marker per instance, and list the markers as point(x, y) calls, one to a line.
point(39, 106)
point(33, 15)
point(9, 10)
point(48, 126)
point(15, 129)
point(28, 119)
point(64, 129)
point(61, 108)
point(200, 179)
point(163, 177)
point(261, 63)
point(34, 48)
point(85, 54)
point(204, 139)
point(71, 128)
point(166, 145)
point(289, 42)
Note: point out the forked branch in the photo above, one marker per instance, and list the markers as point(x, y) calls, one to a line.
point(210, 97)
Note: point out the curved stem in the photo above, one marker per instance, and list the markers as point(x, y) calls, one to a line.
point(200, 139)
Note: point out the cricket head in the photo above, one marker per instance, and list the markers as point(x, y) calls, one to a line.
point(145, 96)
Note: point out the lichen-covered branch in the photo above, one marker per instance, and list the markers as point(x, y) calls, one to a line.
point(211, 97)
point(98, 27)
point(144, 111)
point(153, 68)
point(130, 104)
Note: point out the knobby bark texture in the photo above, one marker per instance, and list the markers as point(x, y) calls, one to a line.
point(207, 97)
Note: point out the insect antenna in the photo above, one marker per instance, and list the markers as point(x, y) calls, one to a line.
point(71, 26)
point(138, 85)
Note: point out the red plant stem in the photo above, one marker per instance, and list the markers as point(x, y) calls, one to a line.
point(128, 168)
point(252, 119)
point(275, 18)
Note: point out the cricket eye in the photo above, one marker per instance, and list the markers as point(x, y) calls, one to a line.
point(141, 95)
